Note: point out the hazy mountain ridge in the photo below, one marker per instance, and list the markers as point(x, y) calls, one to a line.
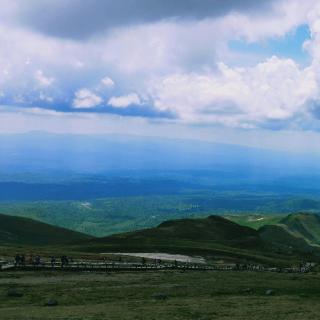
point(40, 152)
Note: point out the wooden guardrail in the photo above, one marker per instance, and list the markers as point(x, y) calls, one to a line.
point(88, 266)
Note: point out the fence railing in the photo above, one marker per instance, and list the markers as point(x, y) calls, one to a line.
point(92, 266)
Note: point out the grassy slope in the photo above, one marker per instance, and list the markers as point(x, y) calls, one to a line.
point(283, 240)
point(295, 231)
point(17, 230)
point(300, 231)
point(255, 221)
point(214, 237)
point(212, 228)
point(303, 225)
point(191, 295)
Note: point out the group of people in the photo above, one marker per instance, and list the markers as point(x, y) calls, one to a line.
point(64, 261)
point(20, 260)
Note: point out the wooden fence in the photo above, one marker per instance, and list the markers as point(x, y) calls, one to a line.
point(89, 266)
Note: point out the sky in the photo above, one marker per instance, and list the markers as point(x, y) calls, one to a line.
point(242, 72)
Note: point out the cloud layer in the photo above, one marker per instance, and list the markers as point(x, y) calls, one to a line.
point(170, 60)
point(61, 18)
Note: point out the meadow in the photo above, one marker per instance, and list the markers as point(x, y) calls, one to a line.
point(160, 295)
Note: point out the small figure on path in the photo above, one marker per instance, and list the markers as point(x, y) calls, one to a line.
point(17, 260)
point(53, 261)
point(37, 260)
point(64, 261)
point(23, 260)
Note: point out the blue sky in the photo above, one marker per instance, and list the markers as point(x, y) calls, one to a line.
point(228, 71)
point(289, 45)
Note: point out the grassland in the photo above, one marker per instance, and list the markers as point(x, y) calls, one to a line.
point(189, 295)
point(167, 295)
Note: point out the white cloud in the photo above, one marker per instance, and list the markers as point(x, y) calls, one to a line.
point(124, 101)
point(85, 98)
point(43, 80)
point(108, 82)
point(245, 97)
point(184, 67)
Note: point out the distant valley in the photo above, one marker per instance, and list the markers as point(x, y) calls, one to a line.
point(101, 217)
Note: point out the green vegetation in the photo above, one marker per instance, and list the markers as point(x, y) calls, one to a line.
point(16, 230)
point(105, 216)
point(255, 221)
point(213, 228)
point(216, 238)
point(164, 295)
point(278, 237)
point(298, 231)
point(101, 217)
point(161, 296)
point(303, 225)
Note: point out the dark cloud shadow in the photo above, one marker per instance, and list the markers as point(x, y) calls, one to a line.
point(80, 19)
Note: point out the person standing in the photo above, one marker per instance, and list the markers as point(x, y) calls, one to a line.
point(53, 261)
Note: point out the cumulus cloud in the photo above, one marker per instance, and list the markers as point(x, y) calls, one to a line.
point(176, 57)
point(107, 82)
point(85, 99)
point(276, 89)
point(124, 101)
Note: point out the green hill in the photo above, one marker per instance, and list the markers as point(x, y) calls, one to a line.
point(278, 238)
point(213, 228)
point(24, 231)
point(305, 225)
point(254, 221)
point(216, 238)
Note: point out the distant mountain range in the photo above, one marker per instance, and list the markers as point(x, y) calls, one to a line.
point(42, 152)
point(42, 166)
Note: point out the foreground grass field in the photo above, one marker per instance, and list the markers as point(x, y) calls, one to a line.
point(160, 295)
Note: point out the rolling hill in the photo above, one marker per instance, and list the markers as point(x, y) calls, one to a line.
point(213, 228)
point(296, 232)
point(214, 237)
point(282, 240)
point(24, 231)
point(303, 225)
